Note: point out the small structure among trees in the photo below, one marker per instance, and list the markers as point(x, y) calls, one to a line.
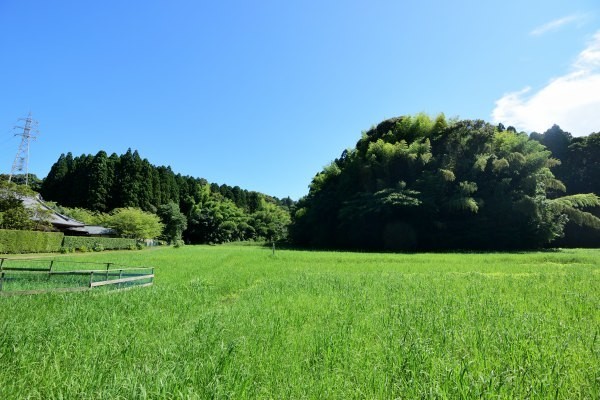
point(47, 217)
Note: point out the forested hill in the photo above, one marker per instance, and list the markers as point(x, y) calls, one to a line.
point(416, 183)
point(214, 213)
point(102, 183)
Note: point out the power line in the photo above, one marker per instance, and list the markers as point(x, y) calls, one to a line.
point(29, 133)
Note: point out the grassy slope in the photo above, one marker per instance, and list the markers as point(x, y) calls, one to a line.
point(237, 322)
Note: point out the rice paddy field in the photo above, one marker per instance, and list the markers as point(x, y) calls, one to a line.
point(238, 322)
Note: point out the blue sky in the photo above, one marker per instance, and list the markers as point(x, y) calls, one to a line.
point(264, 94)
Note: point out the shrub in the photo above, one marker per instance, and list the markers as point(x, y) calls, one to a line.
point(17, 241)
point(77, 242)
point(134, 223)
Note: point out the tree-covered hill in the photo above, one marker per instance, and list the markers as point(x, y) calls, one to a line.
point(213, 213)
point(102, 183)
point(421, 183)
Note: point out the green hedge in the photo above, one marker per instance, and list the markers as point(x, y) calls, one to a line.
point(91, 243)
point(12, 241)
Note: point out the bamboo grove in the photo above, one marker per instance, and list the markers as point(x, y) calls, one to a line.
point(417, 183)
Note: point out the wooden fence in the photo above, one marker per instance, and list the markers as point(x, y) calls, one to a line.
point(26, 271)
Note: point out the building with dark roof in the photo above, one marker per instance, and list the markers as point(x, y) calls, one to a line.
point(63, 223)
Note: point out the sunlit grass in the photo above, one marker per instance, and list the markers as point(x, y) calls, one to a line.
point(237, 322)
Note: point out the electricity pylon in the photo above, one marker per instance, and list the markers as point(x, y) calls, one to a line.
point(21, 162)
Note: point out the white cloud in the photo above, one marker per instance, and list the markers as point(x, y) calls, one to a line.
point(556, 24)
point(571, 101)
point(589, 59)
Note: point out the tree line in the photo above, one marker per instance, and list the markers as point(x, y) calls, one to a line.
point(422, 183)
point(410, 183)
point(91, 188)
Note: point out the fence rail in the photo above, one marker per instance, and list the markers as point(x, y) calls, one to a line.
point(16, 271)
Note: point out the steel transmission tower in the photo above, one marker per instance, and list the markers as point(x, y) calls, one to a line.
point(21, 163)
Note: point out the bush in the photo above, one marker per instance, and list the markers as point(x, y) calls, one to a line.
point(134, 223)
point(97, 243)
point(16, 241)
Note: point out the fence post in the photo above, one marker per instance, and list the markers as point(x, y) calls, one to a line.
point(120, 276)
point(1, 279)
point(107, 267)
point(91, 278)
point(50, 269)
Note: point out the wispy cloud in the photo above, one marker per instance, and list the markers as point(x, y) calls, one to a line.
point(557, 24)
point(571, 101)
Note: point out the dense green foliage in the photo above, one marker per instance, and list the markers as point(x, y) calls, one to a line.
point(134, 223)
point(189, 207)
point(21, 241)
point(91, 243)
point(174, 222)
point(235, 322)
point(418, 183)
point(580, 172)
point(13, 214)
point(580, 159)
point(103, 183)
point(411, 183)
point(79, 214)
point(34, 183)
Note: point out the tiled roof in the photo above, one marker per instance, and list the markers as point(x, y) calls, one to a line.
point(56, 219)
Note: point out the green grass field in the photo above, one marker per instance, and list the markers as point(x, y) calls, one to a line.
point(237, 322)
